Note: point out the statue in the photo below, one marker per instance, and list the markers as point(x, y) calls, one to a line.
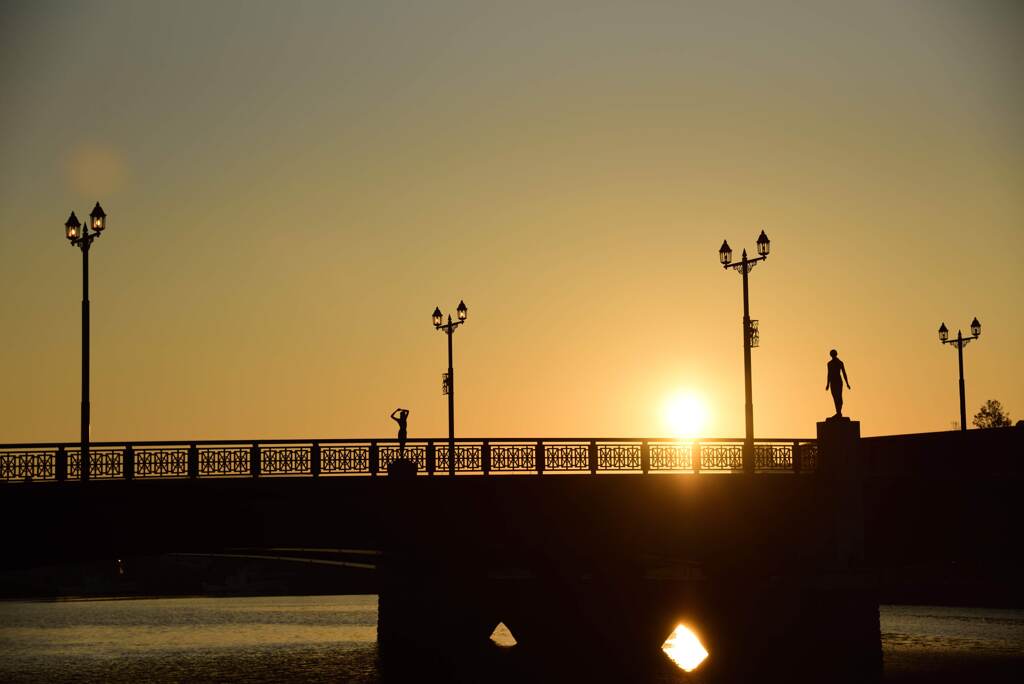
point(834, 381)
point(402, 467)
point(401, 416)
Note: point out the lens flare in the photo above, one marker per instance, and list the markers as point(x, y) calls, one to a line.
point(684, 648)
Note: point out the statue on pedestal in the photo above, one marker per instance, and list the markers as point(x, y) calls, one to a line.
point(834, 381)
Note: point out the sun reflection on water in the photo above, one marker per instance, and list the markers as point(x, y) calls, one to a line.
point(684, 648)
point(502, 636)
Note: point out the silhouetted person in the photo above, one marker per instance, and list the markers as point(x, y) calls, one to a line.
point(836, 376)
point(402, 418)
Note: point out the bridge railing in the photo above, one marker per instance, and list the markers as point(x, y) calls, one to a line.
point(55, 462)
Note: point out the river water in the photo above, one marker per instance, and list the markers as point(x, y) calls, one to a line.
point(333, 638)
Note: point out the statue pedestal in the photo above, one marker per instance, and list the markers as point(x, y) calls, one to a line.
point(841, 472)
point(402, 468)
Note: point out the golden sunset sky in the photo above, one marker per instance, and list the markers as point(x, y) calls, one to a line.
point(293, 187)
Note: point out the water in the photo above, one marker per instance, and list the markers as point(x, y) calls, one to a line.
point(938, 644)
point(333, 638)
point(307, 638)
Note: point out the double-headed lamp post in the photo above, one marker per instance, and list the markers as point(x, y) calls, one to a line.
point(448, 383)
point(80, 237)
point(750, 336)
point(959, 343)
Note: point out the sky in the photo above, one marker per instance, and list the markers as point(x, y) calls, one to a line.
point(291, 188)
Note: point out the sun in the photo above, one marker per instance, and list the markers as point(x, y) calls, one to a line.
point(685, 414)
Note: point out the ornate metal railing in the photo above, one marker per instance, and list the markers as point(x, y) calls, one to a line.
point(353, 457)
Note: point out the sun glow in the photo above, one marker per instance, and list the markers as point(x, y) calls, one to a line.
point(684, 648)
point(685, 414)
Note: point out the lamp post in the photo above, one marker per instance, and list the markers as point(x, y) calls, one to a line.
point(80, 237)
point(448, 382)
point(750, 336)
point(959, 343)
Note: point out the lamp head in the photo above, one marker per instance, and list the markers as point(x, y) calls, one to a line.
point(763, 244)
point(461, 310)
point(975, 327)
point(437, 316)
point(943, 333)
point(72, 228)
point(98, 218)
point(725, 253)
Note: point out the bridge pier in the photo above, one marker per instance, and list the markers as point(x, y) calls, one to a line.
point(430, 616)
point(433, 606)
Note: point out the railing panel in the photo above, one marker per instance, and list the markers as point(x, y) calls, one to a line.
point(344, 458)
point(513, 458)
point(721, 457)
point(28, 464)
point(161, 461)
point(571, 458)
point(285, 459)
point(773, 457)
point(224, 461)
point(468, 458)
point(105, 463)
point(624, 457)
point(671, 456)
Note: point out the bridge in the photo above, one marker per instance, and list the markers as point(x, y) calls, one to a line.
point(587, 549)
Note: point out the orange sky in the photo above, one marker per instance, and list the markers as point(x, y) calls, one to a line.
point(292, 191)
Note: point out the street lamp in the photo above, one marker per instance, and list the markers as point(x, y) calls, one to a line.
point(80, 237)
point(750, 335)
point(959, 343)
point(448, 381)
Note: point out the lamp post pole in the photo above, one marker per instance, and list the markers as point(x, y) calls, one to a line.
point(960, 363)
point(85, 359)
point(748, 384)
point(80, 237)
point(449, 379)
point(451, 399)
point(744, 266)
point(960, 342)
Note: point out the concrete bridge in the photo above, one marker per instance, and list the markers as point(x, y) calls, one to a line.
point(588, 550)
